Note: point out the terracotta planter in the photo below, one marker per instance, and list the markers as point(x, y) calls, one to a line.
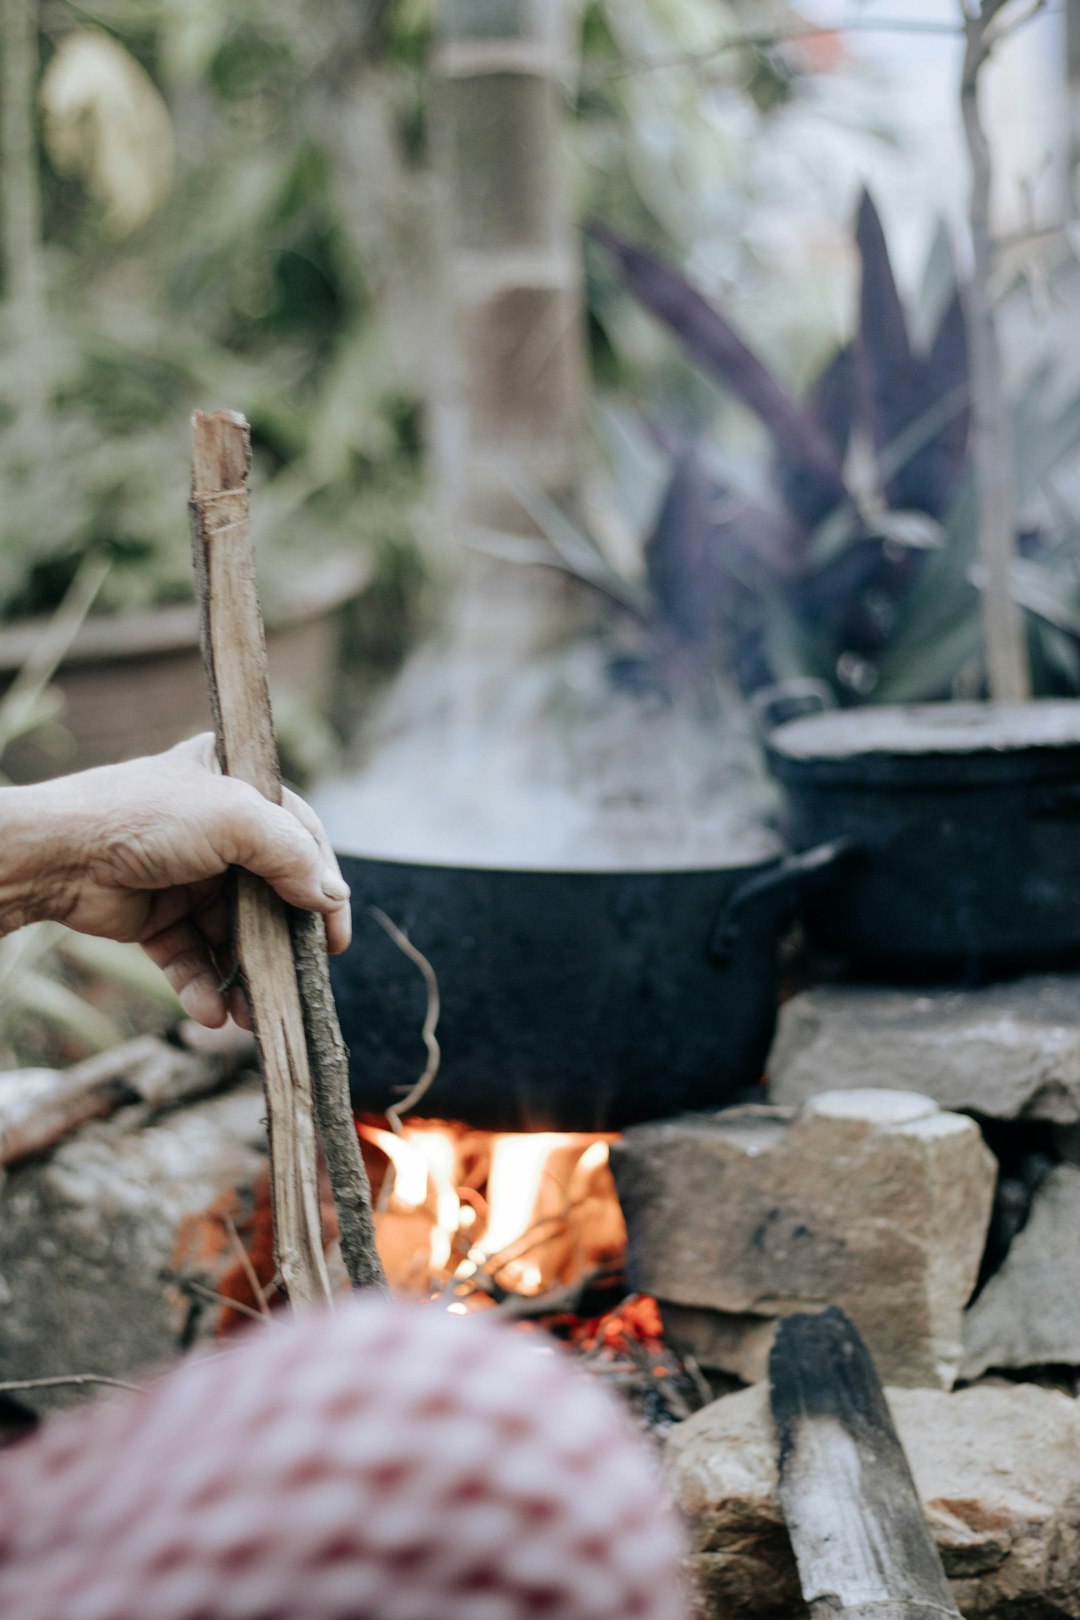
point(133, 685)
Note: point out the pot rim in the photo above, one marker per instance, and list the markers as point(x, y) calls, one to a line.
point(770, 851)
point(943, 745)
point(171, 628)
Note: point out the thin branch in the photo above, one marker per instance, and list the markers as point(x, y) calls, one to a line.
point(764, 40)
point(12, 1386)
point(992, 451)
point(997, 36)
point(248, 1268)
point(431, 1019)
point(328, 1059)
point(224, 1299)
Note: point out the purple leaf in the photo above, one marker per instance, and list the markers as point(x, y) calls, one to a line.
point(899, 389)
point(715, 344)
point(832, 404)
point(948, 369)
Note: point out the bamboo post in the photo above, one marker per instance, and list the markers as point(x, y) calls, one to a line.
point(992, 451)
point(509, 392)
point(512, 403)
point(234, 655)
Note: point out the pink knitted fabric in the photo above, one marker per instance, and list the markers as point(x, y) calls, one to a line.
point(384, 1463)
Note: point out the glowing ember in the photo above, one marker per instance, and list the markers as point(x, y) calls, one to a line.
point(473, 1216)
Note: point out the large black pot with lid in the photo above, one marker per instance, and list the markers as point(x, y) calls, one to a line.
point(578, 999)
point(955, 829)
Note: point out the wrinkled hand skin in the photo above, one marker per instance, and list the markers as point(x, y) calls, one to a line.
point(141, 852)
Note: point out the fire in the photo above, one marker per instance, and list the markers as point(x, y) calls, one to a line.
point(473, 1216)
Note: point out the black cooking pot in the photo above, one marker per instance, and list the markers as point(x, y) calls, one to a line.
point(957, 830)
point(570, 1000)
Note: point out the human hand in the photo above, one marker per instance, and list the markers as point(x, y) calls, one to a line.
point(141, 852)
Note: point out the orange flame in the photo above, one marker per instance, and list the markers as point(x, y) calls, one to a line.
point(479, 1215)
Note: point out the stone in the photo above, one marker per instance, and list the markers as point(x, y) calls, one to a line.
point(1005, 1051)
point(1028, 1314)
point(995, 1467)
point(876, 1201)
point(111, 1247)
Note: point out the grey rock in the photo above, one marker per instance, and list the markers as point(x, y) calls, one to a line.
point(1006, 1051)
point(105, 1244)
point(995, 1467)
point(1028, 1315)
point(721, 1341)
point(875, 1201)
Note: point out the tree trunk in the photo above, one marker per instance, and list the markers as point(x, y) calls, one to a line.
point(509, 404)
point(992, 449)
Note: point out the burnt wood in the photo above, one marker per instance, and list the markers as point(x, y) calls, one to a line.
point(861, 1541)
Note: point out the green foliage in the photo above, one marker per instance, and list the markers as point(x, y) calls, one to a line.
point(244, 288)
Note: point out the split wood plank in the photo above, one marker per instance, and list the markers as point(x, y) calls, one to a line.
point(861, 1541)
point(234, 656)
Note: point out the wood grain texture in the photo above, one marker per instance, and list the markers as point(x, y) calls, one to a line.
point(234, 655)
point(861, 1542)
point(329, 1058)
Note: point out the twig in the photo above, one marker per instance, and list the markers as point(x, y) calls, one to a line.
point(20, 707)
point(234, 658)
point(431, 1019)
point(328, 1058)
point(11, 1386)
point(764, 40)
point(212, 1294)
point(245, 1261)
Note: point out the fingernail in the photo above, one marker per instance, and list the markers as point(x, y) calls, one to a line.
point(335, 887)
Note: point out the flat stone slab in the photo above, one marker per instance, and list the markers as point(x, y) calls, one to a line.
point(1005, 1051)
point(995, 1467)
point(876, 1201)
point(1028, 1315)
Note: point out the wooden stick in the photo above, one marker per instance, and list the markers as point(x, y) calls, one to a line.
point(329, 1060)
point(234, 656)
point(38, 1108)
point(856, 1523)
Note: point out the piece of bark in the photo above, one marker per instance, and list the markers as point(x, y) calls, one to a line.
point(861, 1542)
point(39, 1107)
point(234, 655)
point(329, 1059)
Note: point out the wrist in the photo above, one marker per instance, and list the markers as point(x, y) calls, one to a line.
point(38, 860)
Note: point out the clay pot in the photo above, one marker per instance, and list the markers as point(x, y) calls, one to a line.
point(134, 684)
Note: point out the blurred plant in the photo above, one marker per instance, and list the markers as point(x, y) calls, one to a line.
point(189, 220)
point(850, 554)
point(63, 995)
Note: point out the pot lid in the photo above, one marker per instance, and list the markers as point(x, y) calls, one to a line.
point(919, 730)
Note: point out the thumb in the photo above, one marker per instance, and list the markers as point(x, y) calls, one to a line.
point(268, 840)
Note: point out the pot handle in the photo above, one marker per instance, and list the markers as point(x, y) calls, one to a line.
point(794, 873)
point(790, 700)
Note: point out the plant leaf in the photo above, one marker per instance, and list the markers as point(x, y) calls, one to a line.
point(576, 551)
point(716, 346)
